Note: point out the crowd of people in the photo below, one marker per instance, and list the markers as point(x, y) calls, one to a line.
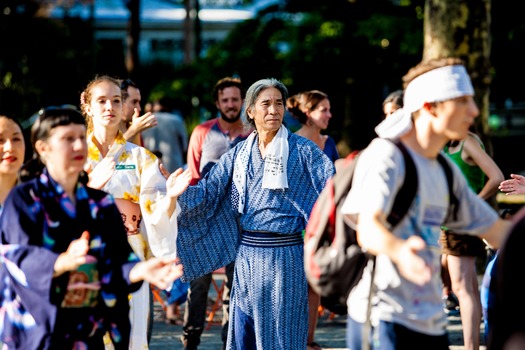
point(67, 268)
point(113, 201)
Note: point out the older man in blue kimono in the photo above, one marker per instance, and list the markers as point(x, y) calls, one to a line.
point(252, 208)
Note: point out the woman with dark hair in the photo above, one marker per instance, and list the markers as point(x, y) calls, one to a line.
point(67, 269)
point(393, 102)
point(12, 152)
point(312, 110)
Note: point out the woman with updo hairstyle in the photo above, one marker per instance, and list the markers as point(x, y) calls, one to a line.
point(312, 110)
point(132, 175)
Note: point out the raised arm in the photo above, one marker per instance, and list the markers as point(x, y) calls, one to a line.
point(176, 184)
point(160, 272)
point(74, 256)
point(480, 157)
point(514, 185)
point(139, 124)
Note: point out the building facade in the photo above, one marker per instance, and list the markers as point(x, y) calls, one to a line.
point(164, 33)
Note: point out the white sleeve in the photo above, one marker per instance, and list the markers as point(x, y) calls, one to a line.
point(379, 172)
point(161, 230)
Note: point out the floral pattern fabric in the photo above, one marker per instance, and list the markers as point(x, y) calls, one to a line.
point(138, 179)
point(37, 224)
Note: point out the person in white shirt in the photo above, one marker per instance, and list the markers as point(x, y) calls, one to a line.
point(406, 308)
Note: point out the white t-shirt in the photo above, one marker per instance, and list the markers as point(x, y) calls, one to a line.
point(379, 174)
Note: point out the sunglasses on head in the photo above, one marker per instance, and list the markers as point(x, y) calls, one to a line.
point(126, 83)
point(54, 108)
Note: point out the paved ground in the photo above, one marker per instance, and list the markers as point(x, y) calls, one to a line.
point(330, 333)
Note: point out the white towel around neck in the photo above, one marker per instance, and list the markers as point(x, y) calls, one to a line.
point(275, 165)
point(395, 125)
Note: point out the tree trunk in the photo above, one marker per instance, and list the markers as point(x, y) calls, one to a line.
point(462, 29)
point(198, 30)
point(133, 36)
point(191, 31)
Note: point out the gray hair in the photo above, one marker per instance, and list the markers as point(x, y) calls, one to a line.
point(253, 93)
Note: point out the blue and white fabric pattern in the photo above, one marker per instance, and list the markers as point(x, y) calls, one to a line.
point(275, 165)
point(269, 299)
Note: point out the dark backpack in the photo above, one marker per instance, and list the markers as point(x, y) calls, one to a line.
point(334, 262)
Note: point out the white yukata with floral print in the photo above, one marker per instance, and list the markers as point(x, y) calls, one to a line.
point(138, 180)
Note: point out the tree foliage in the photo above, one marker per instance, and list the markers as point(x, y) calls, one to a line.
point(462, 29)
point(355, 51)
point(40, 60)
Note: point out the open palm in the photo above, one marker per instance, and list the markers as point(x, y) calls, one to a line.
point(177, 182)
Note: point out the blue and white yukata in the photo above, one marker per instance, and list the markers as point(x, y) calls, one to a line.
point(269, 302)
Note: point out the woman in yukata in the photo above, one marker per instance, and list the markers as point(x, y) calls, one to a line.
point(252, 208)
point(67, 269)
point(136, 183)
point(12, 152)
point(312, 110)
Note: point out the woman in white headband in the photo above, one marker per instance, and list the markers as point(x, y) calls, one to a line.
point(407, 311)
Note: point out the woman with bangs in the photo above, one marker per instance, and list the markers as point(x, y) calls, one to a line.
point(67, 269)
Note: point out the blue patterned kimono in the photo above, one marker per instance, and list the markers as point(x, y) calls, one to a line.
point(269, 302)
point(37, 311)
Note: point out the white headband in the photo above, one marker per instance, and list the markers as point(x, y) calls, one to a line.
point(437, 85)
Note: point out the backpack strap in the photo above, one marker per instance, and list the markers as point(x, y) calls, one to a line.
point(453, 205)
point(403, 199)
point(406, 194)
